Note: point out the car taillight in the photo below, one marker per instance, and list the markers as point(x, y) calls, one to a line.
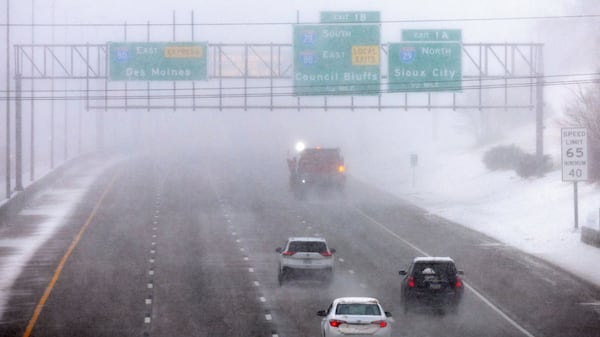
point(411, 282)
point(382, 324)
point(341, 169)
point(326, 254)
point(336, 323)
point(458, 283)
point(288, 253)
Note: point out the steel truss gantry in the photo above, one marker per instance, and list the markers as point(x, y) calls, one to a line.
point(495, 76)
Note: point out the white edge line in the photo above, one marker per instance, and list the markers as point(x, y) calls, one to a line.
point(479, 295)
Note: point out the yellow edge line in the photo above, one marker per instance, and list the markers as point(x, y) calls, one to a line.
point(63, 261)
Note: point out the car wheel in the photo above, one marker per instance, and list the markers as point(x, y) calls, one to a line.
point(281, 276)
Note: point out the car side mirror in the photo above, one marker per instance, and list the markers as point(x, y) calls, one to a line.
point(278, 250)
point(460, 272)
point(388, 314)
point(333, 251)
point(322, 313)
point(402, 272)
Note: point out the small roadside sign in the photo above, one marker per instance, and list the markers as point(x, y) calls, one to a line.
point(574, 154)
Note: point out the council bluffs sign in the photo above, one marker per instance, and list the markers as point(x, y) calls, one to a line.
point(149, 61)
point(336, 59)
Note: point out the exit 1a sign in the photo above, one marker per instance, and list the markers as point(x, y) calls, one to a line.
point(438, 35)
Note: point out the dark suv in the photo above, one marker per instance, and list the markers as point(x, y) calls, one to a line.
point(432, 281)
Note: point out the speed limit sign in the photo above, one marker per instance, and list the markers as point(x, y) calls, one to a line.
point(574, 154)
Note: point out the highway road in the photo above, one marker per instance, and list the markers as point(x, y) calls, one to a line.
point(183, 244)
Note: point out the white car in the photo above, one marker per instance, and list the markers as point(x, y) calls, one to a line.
point(355, 316)
point(305, 256)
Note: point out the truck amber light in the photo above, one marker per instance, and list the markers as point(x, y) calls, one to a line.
point(341, 169)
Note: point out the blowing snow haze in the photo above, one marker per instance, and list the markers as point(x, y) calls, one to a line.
point(150, 185)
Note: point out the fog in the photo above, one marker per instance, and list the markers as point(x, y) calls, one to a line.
point(248, 127)
point(566, 30)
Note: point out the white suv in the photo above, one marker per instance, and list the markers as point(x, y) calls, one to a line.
point(362, 316)
point(304, 256)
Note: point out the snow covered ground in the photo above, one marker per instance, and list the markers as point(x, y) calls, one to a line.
point(451, 181)
point(57, 203)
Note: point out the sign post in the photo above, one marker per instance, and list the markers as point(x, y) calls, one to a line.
point(574, 160)
point(414, 160)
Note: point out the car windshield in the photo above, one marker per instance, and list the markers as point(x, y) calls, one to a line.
point(357, 309)
point(437, 269)
point(308, 246)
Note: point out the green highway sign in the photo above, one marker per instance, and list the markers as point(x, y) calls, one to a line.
point(163, 61)
point(350, 17)
point(425, 66)
point(336, 59)
point(445, 35)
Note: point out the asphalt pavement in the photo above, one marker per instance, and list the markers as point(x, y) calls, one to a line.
point(184, 245)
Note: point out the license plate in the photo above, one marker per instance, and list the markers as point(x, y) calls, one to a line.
point(307, 261)
point(435, 286)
